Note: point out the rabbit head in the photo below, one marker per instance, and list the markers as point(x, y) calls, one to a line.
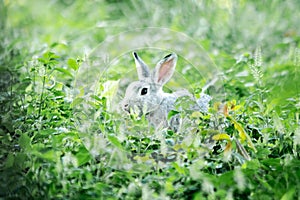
point(145, 96)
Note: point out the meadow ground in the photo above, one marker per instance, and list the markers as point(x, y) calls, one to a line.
point(64, 69)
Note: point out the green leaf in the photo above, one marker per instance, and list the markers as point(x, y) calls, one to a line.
point(196, 114)
point(274, 163)
point(242, 133)
point(9, 162)
point(20, 159)
point(142, 158)
point(101, 186)
point(25, 83)
point(251, 164)
point(227, 178)
point(289, 194)
point(179, 169)
point(115, 142)
point(262, 152)
point(47, 132)
point(45, 152)
point(76, 102)
point(48, 154)
point(169, 186)
point(96, 97)
point(49, 59)
point(221, 136)
point(25, 141)
point(83, 156)
point(172, 113)
point(73, 64)
point(64, 71)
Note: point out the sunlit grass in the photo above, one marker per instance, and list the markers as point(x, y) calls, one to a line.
point(63, 135)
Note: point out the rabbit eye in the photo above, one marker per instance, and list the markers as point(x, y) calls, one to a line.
point(144, 91)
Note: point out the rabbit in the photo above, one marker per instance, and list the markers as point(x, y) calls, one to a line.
point(146, 96)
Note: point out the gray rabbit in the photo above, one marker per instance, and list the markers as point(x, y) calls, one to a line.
point(146, 97)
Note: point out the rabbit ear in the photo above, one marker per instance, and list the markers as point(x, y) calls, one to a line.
point(165, 69)
point(142, 69)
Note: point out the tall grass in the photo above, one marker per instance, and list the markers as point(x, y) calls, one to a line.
point(64, 67)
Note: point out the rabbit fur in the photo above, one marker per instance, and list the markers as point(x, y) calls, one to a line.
point(146, 97)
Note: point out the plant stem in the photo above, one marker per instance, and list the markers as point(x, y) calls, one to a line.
point(42, 94)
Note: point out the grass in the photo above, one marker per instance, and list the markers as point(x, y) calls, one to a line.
point(64, 68)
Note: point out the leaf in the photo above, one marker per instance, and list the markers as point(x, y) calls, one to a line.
point(76, 102)
point(240, 129)
point(25, 141)
point(64, 71)
point(172, 113)
point(252, 164)
point(49, 155)
point(83, 156)
point(96, 97)
point(142, 158)
point(221, 136)
point(196, 114)
point(49, 59)
point(169, 186)
point(263, 152)
point(227, 177)
point(179, 169)
point(242, 133)
point(289, 194)
point(73, 64)
point(101, 186)
point(20, 159)
point(45, 153)
point(274, 163)
point(9, 162)
point(47, 132)
point(115, 142)
point(24, 83)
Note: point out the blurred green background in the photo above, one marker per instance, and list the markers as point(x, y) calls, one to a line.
point(228, 30)
point(220, 26)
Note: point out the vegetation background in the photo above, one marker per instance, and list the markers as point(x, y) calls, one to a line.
point(61, 137)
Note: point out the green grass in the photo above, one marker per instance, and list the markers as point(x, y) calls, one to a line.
point(64, 68)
